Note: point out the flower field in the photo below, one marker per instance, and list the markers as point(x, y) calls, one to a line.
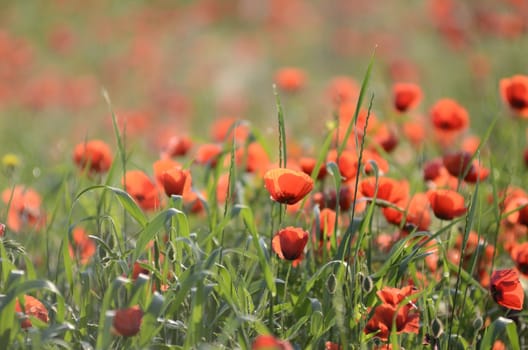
point(281, 174)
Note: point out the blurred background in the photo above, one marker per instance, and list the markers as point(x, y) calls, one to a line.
point(172, 67)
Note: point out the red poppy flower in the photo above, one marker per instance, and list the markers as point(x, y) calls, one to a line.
point(307, 165)
point(287, 186)
point(141, 188)
point(178, 146)
point(254, 157)
point(83, 247)
point(290, 79)
point(161, 166)
point(176, 181)
point(343, 89)
point(332, 346)
point(289, 243)
point(24, 208)
point(414, 131)
point(514, 91)
point(138, 269)
point(208, 154)
point(269, 342)
point(222, 130)
point(448, 116)
point(446, 204)
point(406, 96)
point(506, 289)
point(94, 154)
point(407, 319)
point(32, 307)
point(386, 138)
point(519, 255)
point(327, 221)
point(457, 163)
point(127, 322)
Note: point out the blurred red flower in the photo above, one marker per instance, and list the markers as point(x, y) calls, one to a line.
point(406, 96)
point(448, 116)
point(446, 204)
point(32, 307)
point(94, 155)
point(290, 79)
point(127, 322)
point(514, 91)
point(142, 189)
point(83, 248)
point(269, 342)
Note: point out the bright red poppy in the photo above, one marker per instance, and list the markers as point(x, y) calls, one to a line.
point(24, 208)
point(127, 322)
point(287, 186)
point(178, 146)
point(406, 318)
point(514, 92)
point(519, 255)
point(307, 165)
point(269, 342)
point(446, 204)
point(289, 243)
point(208, 154)
point(94, 155)
point(142, 189)
point(406, 96)
point(32, 307)
point(506, 289)
point(176, 181)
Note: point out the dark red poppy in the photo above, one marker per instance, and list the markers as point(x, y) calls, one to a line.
point(94, 154)
point(142, 189)
point(514, 91)
point(290, 79)
point(32, 307)
point(127, 322)
point(289, 243)
point(287, 186)
point(448, 116)
point(176, 181)
point(506, 289)
point(269, 342)
point(457, 163)
point(446, 204)
point(406, 96)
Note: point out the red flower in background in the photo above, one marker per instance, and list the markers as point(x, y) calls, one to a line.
point(83, 247)
point(208, 154)
point(287, 186)
point(307, 165)
point(290, 79)
point(177, 146)
point(506, 289)
point(289, 243)
point(514, 92)
point(94, 155)
point(519, 255)
point(406, 96)
point(24, 208)
point(446, 204)
point(142, 189)
point(448, 116)
point(127, 322)
point(343, 89)
point(32, 307)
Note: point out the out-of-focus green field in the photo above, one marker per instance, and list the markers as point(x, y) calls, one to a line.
point(141, 75)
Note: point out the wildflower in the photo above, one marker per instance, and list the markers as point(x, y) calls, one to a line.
point(519, 255)
point(446, 204)
point(506, 289)
point(289, 243)
point(287, 186)
point(94, 154)
point(405, 317)
point(269, 342)
point(127, 322)
point(178, 146)
point(24, 208)
point(176, 181)
point(448, 116)
point(83, 247)
point(208, 154)
point(222, 130)
point(161, 166)
point(290, 79)
point(307, 165)
point(343, 89)
point(254, 157)
point(32, 307)
point(514, 91)
point(141, 188)
point(406, 96)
